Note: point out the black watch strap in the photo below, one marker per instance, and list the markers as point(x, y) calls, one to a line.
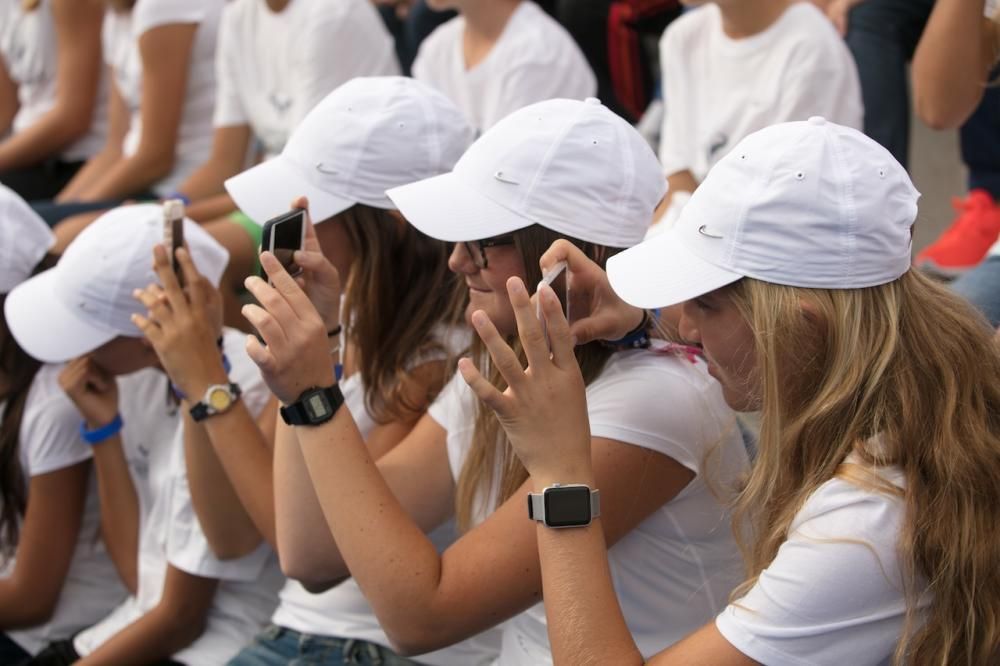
point(314, 407)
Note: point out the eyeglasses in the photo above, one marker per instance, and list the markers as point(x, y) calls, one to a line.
point(477, 249)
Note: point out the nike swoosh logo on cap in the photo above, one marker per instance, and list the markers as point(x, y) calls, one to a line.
point(504, 179)
point(323, 169)
point(703, 230)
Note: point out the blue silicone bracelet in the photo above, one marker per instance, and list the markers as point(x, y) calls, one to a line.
point(98, 435)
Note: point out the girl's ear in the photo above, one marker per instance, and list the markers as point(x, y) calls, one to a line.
point(812, 313)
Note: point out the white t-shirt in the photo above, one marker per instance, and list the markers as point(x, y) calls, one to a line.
point(121, 35)
point(28, 48)
point(834, 592)
point(344, 612)
point(153, 440)
point(717, 90)
point(674, 571)
point(535, 59)
point(274, 68)
point(49, 440)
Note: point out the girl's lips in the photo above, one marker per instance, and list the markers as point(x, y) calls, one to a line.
point(478, 289)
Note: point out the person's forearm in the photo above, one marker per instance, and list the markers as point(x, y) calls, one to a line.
point(89, 174)
point(119, 510)
point(45, 138)
point(307, 554)
point(951, 64)
point(207, 180)
point(585, 622)
point(20, 607)
point(127, 177)
point(229, 529)
point(243, 452)
point(681, 181)
point(398, 568)
point(155, 636)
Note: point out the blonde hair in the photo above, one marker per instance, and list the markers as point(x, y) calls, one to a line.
point(398, 292)
point(902, 374)
point(491, 468)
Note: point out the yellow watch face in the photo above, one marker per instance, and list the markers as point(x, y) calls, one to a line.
point(219, 399)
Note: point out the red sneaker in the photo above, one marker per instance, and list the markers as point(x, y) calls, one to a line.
point(964, 244)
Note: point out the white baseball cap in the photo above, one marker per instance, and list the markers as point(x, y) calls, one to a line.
point(573, 167)
point(24, 240)
point(86, 300)
point(803, 204)
point(368, 135)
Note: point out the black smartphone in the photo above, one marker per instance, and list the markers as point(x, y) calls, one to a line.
point(173, 233)
point(282, 236)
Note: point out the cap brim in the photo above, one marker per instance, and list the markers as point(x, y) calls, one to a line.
point(661, 271)
point(445, 208)
point(45, 328)
point(268, 189)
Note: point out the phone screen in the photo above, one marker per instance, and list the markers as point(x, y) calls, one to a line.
point(283, 236)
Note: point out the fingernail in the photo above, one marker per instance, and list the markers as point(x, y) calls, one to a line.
point(516, 286)
point(479, 318)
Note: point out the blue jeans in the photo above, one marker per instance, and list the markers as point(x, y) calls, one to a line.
point(278, 646)
point(981, 287)
point(11, 652)
point(882, 36)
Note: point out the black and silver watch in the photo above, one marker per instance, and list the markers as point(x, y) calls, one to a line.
point(565, 506)
point(218, 398)
point(314, 406)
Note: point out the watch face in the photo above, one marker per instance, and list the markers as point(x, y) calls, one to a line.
point(219, 399)
point(317, 406)
point(567, 507)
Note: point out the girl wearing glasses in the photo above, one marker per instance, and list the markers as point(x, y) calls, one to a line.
point(665, 466)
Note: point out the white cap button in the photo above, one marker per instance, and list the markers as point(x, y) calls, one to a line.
point(818, 120)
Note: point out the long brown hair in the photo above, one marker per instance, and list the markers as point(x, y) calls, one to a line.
point(910, 366)
point(17, 372)
point(491, 466)
point(398, 291)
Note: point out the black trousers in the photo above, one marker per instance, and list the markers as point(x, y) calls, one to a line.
point(42, 181)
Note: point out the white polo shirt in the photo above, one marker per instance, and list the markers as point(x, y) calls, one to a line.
point(717, 90)
point(535, 59)
point(121, 35)
point(153, 440)
point(273, 68)
point(674, 571)
point(834, 592)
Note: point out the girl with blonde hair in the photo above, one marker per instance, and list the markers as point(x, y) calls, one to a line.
point(870, 511)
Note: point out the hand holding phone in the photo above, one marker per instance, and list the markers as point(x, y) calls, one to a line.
point(173, 233)
point(282, 236)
